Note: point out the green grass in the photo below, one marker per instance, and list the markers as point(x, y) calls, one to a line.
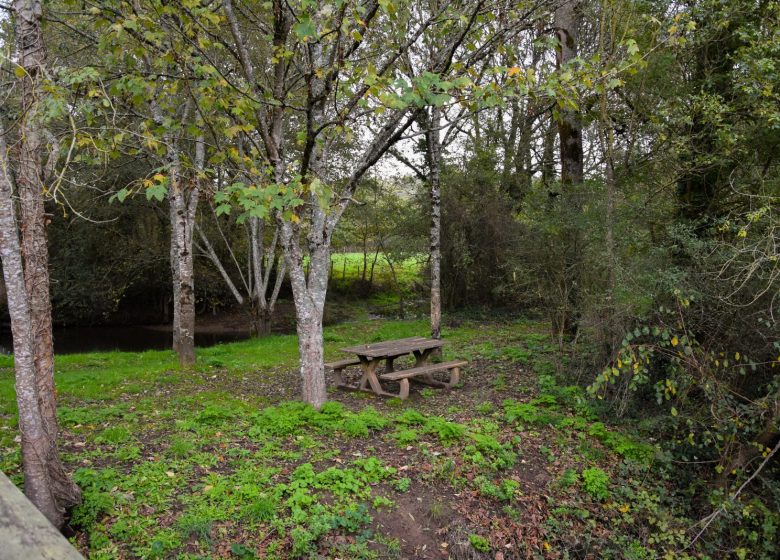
point(190, 463)
point(105, 376)
point(348, 267)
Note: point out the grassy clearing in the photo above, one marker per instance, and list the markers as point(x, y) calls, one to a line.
point(218, 461)
point(348, 269)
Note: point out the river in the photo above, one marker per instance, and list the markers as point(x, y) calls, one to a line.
point(73, 340)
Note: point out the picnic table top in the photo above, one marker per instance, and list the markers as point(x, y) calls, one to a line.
point(390, 348)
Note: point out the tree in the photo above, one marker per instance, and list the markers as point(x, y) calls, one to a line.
point(25, 270)
point(567, 23)
point(433, 155)
point(162, 88)
point(257, 285)
point(329, 74)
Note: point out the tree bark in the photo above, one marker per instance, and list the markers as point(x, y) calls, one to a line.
point(309, 296)
point(183, 198)
point(208, 249)
point(40, 461)
point(34, 247)
point(570, 138)
point(569, 126)
point(547, 163)
point(36, 447)
point(433, 154)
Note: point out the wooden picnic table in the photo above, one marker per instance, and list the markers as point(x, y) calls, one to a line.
point(369, 357)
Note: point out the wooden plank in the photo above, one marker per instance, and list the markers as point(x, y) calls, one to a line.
point(25, 533)
point(383, 344)
point(343, 363)
point(430, 368)
point(396, 349)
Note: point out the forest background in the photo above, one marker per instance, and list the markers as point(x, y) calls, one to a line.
point(606, 167)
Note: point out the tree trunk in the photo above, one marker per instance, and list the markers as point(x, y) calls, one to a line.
point(208, 248)
point(183, 277)
point(38, 486)
point(42, 469)
point(433, 153)
point(34, 248)
point(569, 126)
point(261, 321)
point(309, 295)
point(256, 242)
point(183, 205)
point(373, 266)
point(547, 163)
point(570, 138)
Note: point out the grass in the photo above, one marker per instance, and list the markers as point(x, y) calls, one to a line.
point(348, 269)
point(220, 461)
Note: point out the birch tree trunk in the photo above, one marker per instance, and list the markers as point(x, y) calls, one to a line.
point(309, 296)
point(183, 197)
point(34, 247)
point(433, 153)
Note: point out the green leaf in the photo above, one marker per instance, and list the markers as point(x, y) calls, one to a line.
point(305, 29)
point(156, 192)
point(223, 209)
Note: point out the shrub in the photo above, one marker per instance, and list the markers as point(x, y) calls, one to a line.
point(405, 436)
point(596, 483)
point(411, 416)
point(448, 432)
point(114, 435)
point(480, 544)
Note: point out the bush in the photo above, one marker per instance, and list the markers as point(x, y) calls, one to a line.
point(596, 483)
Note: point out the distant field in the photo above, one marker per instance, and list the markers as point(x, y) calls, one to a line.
point(348, 268)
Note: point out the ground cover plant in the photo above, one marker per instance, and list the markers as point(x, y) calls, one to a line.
point(220, 461)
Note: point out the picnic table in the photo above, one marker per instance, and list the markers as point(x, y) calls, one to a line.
point(370, 356)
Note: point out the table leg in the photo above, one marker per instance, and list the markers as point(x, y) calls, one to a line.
point(389, 366)
point(420, 359)
point(369, 375)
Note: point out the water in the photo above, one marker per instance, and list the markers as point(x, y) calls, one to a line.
point(73, 340)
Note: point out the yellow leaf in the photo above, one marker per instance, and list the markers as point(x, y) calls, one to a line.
point(20, 72)
point(737, 356)
point(675, 341)
point(512, 71)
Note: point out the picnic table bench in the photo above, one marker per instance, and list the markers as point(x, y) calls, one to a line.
point(369, 357)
